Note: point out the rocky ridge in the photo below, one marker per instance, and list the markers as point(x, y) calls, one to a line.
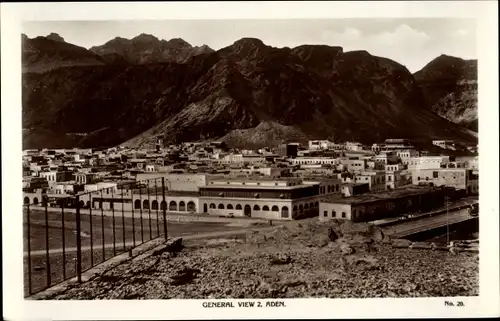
point(449, 85)
point(305, 92)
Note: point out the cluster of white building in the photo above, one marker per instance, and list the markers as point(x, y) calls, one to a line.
point(211, 179)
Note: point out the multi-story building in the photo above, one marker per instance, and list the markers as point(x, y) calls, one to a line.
point(314, 161)
point(288, 150)
point(386, 157)
point(427, 162)
point(374, 179)
point(85, 178)
point(56, 176)
point(459, 178)
point(319, 144)
point(353, 165)
point(269, 199)
point(353, 146)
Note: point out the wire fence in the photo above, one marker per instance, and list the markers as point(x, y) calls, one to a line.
point(67, 235)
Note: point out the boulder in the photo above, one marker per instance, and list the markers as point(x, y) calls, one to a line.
point(421, 245)
point(401, 243)
point(281, 259)
point(171, 246)
point(332, 235)
point(346, 248)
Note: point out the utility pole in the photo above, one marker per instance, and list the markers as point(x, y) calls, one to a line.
point(447, 222)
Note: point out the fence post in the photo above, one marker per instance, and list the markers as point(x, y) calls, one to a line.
point(164, 208)
point(78, 241)
point(47, 251)
point(29, 250)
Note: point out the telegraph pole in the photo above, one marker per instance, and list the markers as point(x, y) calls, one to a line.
point(447, 222)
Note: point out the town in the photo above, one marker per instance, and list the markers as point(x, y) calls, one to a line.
point(346, 181)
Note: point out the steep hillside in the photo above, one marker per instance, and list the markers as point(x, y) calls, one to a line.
point(313, 91)
point(449, 85)
point(42, 54)
point(149, 49)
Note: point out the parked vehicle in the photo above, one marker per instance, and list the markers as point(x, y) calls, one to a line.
point(474, 210)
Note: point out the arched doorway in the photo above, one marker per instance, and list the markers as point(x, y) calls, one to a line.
point(154, 205)
point(205, 208)
point(247, 211)
point(172, 206)
point(163, 205)
point(26, 200)
point(284, 211)
point(191, 207)
point(137, 204)
point(182, 206)
point(145, 204)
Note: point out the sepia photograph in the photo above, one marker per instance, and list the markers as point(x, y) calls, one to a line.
point(240, 163)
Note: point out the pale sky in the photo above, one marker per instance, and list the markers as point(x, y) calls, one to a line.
point(411, 42)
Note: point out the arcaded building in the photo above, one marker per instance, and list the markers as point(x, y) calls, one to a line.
point(284, 199)
point(374, 206)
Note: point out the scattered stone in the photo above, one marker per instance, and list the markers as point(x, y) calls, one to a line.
point(184, 276)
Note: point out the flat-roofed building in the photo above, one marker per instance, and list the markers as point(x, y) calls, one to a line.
point(314, 161)
point(374, 206)
point(427, 162)
point(284, 199)
point(374, 179)
point(445, 144)
point(459, 178)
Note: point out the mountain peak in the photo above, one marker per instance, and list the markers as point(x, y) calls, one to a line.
point(249, 41)
point(147, 38)
point(178, 43)
point(55, 37)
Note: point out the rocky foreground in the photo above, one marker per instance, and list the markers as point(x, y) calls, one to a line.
point(335, 260)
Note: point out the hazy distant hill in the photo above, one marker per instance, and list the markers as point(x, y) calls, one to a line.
point(149, 49)
point(307, 92)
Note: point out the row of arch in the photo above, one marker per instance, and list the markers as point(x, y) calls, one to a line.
point(27, 200)
point(247, 209)
point(329, 189)
point(172, 206)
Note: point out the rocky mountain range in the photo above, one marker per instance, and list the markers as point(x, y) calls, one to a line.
point(147, 49)
point(133, 91)
point(449, 85)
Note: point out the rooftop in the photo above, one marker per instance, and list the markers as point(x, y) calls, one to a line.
point(386, 195)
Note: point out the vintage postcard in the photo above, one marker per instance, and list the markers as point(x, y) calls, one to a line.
point(250, 160)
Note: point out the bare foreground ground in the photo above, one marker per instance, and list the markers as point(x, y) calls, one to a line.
point(296, 260)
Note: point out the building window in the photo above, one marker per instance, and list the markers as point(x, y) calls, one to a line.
point(334, 214)
point(256, 208)
point(221, 206)
point(418, 178)
point(229, 206)
point(343, 214)
point(325, 213)
point(238, 207)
